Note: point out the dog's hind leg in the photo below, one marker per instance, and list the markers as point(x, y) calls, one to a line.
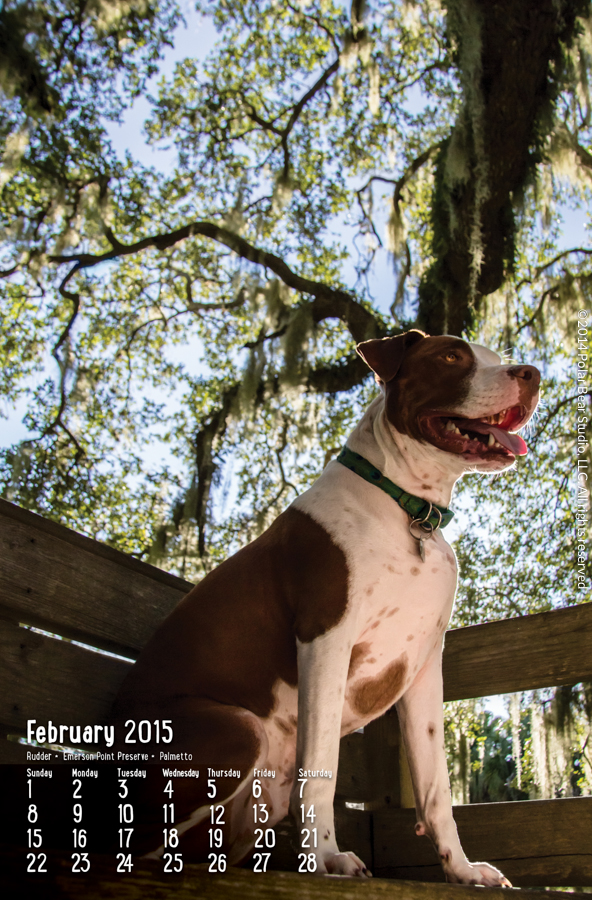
point(225, 744)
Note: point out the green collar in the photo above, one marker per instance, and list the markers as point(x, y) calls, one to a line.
point(415, 506)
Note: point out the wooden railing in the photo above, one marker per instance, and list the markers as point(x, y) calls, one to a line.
point(62, 583)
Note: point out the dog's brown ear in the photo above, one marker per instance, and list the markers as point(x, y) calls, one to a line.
point(384, 356)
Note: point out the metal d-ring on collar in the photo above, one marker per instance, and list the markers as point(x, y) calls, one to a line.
point(426, 527)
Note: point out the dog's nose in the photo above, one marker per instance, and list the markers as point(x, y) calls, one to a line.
point(528, 373)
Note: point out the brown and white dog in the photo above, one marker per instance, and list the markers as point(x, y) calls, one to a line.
point(331, 616)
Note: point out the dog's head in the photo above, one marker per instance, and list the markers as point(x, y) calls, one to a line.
point(456, 396)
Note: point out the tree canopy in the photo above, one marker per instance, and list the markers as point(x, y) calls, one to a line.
point(209, 311)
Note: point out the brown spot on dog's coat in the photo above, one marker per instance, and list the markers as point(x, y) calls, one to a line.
point(375, 624)
point(431, 730)
point(414, 570)
point(426, 487)
point(382, 611)
point(233, 637)
point(371, 695)
point(392, 612)
point(358, 653)
point(370, 590)
point(410, 637)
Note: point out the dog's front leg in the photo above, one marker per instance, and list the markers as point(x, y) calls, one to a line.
point(322, 674)
point(421, 715)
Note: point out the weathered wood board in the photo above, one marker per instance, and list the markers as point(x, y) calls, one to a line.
point(147, 881)
point(42, 679)
point(521, 654)
point(64, 582)
point(538, 842)
point(353, 777)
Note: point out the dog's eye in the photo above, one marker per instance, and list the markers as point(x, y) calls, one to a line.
point(451, 357)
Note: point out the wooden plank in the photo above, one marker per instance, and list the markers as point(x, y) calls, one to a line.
point(521, 654)
point(353, 777)
point(41, 678)
point(147, 880)
point(536, 842)
point(558, 871)
point(12, 753)
point(382, 744)
point(61, 581)
point(373, 768)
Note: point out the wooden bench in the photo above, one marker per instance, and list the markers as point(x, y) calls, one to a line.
point(58, 582)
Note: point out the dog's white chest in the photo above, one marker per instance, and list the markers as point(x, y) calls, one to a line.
point(398, 605)
point(402, 613)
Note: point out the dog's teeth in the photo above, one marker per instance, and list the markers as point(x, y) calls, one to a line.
point(491, 441)
point(449, 426)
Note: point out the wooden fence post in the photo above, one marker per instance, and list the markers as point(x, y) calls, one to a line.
point(390, 779)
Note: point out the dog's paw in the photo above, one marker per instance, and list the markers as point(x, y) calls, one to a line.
point(478, 873)
point(347, 864)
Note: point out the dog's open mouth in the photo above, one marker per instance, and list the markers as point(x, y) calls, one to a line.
point(492, 435)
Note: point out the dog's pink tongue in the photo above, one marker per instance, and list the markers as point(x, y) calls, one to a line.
point(513, 442)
